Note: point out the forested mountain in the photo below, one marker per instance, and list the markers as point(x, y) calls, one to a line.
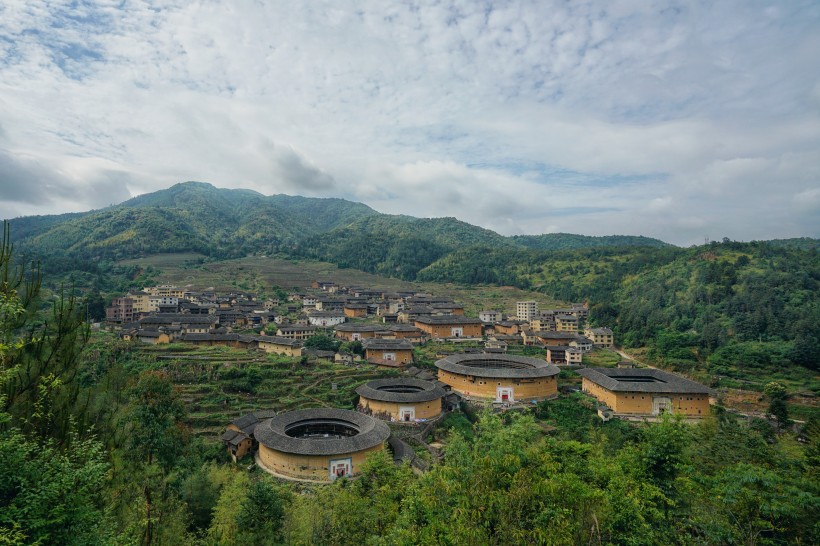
point(188, 217)
point(222, 223)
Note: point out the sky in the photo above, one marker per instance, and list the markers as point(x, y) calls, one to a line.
point(677, 120)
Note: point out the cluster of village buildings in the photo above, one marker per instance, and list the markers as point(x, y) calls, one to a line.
point(389, 324)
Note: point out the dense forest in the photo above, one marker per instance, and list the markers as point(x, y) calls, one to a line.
point(96, 448)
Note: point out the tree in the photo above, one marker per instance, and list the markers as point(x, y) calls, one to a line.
point(50, 490)
point(322, 342)
point(776, 393)
point(155, 437)
point(39, 352)
point(262, 513)
point(53, 495)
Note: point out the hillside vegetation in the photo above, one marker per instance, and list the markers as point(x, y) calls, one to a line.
point(221, 224)
point(727, 312)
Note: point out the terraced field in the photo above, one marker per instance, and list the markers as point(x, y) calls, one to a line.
point(219, 384)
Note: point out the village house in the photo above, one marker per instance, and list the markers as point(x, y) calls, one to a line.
point(238, 438)
point(326, 319)
point(153, 337)
point(601, 337)
point(279, 345)
point(357, 332)
point(408, 332)
point(355, 310)
point(450, 326)
point(645, 391)
point(323, 285)
point(165, 290)
point(510, 327)
point(560, 354)
point(330, 304)
point(390, 353)
point(581, 343)
point(566, 323)
point(490, 316)
point(448, 308)
point(294, 331)
point(188, 324)
point(543, 324)
point(237, 341)
point(121, 310)
point(309, 301)
point(555, 338)
point(409, 314)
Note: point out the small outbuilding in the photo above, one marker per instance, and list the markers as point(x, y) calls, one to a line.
point(402, 399)
point(499, 378)
point(320, 444)
point(238, 438)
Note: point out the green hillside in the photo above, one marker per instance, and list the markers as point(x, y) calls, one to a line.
point(398, 246)
point(738, 313)
point(564, 241)
point(188, 217)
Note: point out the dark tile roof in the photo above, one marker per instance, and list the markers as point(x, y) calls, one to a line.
point(248, 422)
point(355, 327)
point(384, 390)
point(448, 319)
point(562, 336)
point(271, 432)
point(209, 337)
point(387, 344)
point(649, 380)
point(182, 318)
point(233, 437)
point(497, 366)
point(279, 340)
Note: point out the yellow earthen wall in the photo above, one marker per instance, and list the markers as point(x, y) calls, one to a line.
point(311, 467)
point(348, 336)
point(638, 403)
point(244, 446)
point(424, 410)
point(446, 330)
point(402, 355)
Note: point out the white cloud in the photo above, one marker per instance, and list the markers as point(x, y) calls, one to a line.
point(674, 119)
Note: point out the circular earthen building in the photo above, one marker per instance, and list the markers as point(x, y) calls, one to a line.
point(498, 377)
point(319, 444)
point(400, 399)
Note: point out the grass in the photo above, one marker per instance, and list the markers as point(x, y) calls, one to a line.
point(602, 358)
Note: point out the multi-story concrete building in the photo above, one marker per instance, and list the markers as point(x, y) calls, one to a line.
point(526, 310)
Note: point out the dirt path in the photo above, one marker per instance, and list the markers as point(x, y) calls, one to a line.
point(627, 356)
